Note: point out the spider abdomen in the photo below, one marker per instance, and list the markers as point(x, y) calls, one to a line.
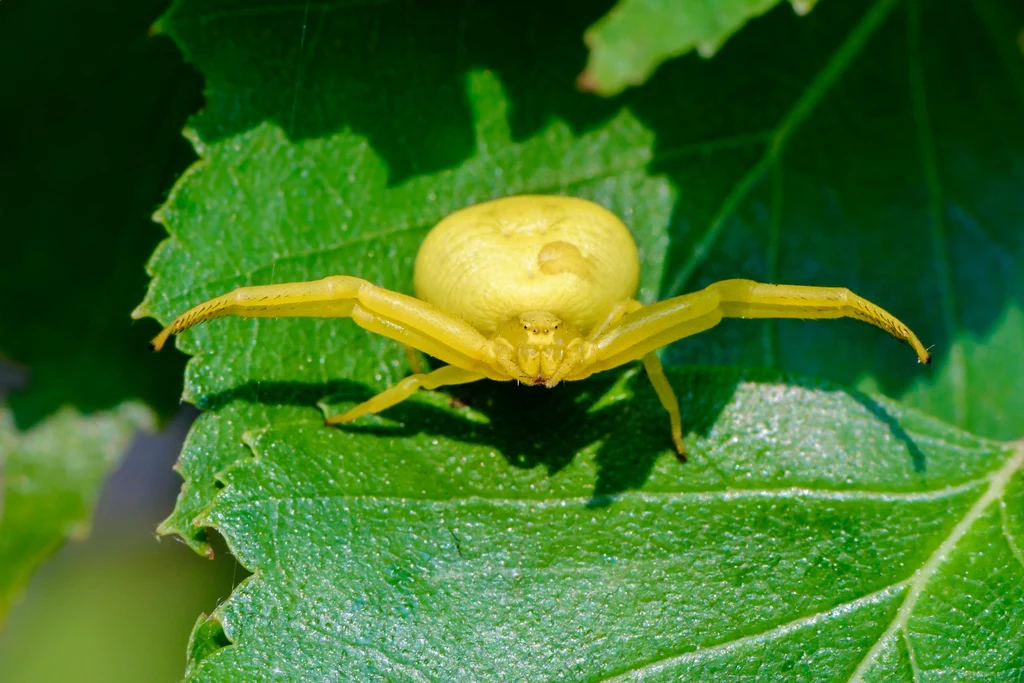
point(563, 255)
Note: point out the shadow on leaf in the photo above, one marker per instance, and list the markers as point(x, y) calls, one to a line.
point(531, 427)
point(528, 426)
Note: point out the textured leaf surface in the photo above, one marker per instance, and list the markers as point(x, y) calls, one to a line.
point(629, 42)
point(816, 533)
point(458, 549)
point(51, 478)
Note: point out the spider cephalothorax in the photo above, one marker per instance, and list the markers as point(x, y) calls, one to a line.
point(537, 347)
point(537, 289)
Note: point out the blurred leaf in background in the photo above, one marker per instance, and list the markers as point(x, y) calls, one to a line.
point(51, 478)
point(117, 605)
point(554, 532)
point(112, 610)
point(636, 36)
point(90, 119)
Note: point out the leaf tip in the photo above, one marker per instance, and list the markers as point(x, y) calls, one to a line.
point(194, 538)
point(802, 7)
point(586, 81)
point(208, 636)
point(142, 310)
point(707, 49)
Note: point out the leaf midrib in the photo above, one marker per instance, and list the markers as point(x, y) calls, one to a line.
point(781, 134)
point(915, 585)
point(921, 577)
point(725, 495)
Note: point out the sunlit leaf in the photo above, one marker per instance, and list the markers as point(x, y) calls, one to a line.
point(629, 42)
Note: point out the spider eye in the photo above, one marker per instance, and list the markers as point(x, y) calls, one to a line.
point(547, 331)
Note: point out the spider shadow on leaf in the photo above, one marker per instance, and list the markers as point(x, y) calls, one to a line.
point(917, 457)
point(533, 426)
point(529, 426)
point(273, 392)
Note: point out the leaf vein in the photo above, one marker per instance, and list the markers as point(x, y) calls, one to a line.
point(640, 672)
point(801, 109)
point(794, 493)
point(1010, 540)
point(957, 361)
point(919, 581)
point(915, 670)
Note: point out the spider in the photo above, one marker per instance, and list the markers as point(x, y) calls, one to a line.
point(537, 289)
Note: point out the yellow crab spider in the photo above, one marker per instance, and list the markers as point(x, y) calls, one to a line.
point(537, 289)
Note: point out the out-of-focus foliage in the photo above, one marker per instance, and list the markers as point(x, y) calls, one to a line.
point(90, 132)
point(629, 42)
point(116, 609)
point(90, 117)
point(51, 478)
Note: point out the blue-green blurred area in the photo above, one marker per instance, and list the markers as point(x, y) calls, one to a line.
point(119, 606)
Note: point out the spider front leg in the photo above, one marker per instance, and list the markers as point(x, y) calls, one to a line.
point(654, 326)
point(642, 330)
point(653, 367)
point(393, 315)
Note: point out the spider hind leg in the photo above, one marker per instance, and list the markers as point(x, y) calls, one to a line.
point(444, 376)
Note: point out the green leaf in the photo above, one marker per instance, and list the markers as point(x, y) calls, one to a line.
point(459, 546)
point(895, 171)
point(349, 221)
point(92, 140)
point(52, 475)
point(857, 152)
point(629, 43)
point(817, 531)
